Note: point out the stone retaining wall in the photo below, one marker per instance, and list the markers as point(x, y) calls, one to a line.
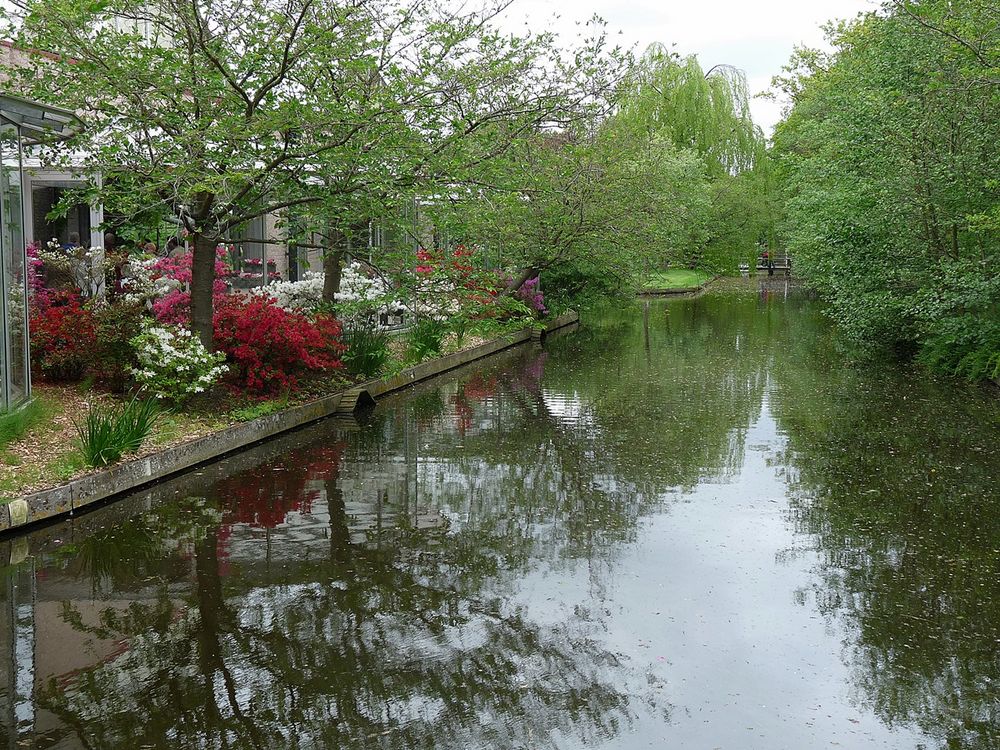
point(131, 475)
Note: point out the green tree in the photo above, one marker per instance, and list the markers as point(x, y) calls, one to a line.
point(212, 114)
point(708, 113)
point(889, 160)
point(594, 200)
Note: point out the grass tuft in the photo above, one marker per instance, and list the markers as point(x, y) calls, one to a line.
point(675, 278)
point(109, 433)
point(367, 350)
point(425, 340)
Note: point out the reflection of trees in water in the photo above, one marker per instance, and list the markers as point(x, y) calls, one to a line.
point(897, 482)
point(407, 639)
point(674, 386)
point(356, 651)
point(577, 459)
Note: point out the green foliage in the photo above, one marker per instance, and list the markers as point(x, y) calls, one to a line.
point(889, 162)
point(706, 114)
point(108, 433)
point(15, 422)
point(112, 358)
point(577, 284)
point(367, 350)
point(961, 347)
point(597, 200)
point(709, 112)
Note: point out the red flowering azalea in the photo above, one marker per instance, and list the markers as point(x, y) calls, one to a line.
point(62, 335)
point(269, 346)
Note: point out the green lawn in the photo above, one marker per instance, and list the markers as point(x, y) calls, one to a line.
point(676, 278)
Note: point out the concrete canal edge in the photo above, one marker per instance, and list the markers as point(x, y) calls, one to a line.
point(122, 478)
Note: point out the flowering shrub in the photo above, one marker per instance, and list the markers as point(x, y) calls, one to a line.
point(51, 266)
point(174, 308)
point(358, 287)
point(452, 287)
point(444, 282)
point(173, 364)
point(426, 262)
point(269, 346)
point(172, 275)
point(358, 292)
point(257, 263)
point(532, 296)
point(62, 335)
point(141, 283)
point(302, 296)
point(36, 276)
point(272, 276)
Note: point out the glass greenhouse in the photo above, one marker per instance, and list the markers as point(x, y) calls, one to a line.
point(23, 123)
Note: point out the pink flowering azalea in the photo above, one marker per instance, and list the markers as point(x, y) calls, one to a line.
point(175, 306)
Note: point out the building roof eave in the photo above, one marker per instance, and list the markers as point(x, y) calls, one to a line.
point(38, 122)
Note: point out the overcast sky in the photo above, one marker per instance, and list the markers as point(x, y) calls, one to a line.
point(755, 35)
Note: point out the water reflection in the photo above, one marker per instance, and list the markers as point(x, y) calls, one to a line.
point(492, 560)
point(897, 482)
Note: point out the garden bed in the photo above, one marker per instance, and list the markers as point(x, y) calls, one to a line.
point(47, 454)
point(182, 441)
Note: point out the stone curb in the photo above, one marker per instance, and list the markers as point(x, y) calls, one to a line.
point(131, 475)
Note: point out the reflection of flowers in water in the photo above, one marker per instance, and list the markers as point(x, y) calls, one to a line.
point(530, 377)
point(267, 501)
point(323, 462)
point(463, 412)
point(476, 389)
point(479, 387)
point(265, 498)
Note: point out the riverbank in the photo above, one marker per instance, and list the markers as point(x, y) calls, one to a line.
point(157, 464)
point(676, 281)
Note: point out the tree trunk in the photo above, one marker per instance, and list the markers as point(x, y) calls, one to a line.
point(526, 275)
point(202, 283)
point(333, 262)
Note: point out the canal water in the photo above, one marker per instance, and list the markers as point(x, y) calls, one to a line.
point(689, 524)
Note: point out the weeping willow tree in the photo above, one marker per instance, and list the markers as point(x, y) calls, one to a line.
point(708, 113)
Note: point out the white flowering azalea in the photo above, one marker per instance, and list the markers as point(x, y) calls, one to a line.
point(356, 286)
point(173, 364)
point(138, 284)
point(305, 295)
point(299, 296)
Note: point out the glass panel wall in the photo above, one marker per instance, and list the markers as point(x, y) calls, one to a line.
point(16, 381)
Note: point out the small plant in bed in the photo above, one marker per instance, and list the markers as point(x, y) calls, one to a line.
point(108, 433)
point(261, 409)
point(367, 350)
